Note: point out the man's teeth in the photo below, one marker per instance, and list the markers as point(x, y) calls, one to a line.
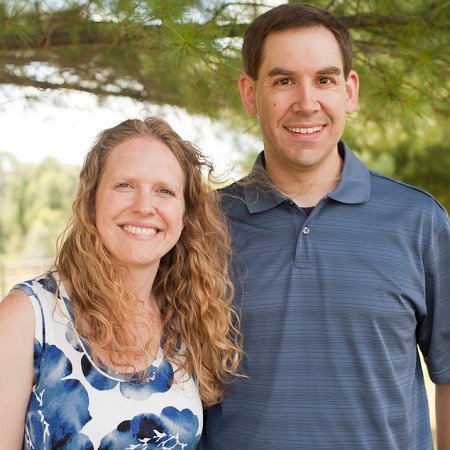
point(305, 130)
point(140, 231)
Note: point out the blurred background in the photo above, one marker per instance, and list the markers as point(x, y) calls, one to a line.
point(69, 69)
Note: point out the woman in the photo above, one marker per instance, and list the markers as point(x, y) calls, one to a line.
point(133, 331)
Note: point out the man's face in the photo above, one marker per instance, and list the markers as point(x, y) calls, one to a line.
point(301, 99)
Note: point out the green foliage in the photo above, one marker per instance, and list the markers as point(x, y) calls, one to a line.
point(36, 200)
point(426, 166)
point(186, 53)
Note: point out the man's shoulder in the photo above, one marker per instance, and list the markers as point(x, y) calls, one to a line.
point(232, 198)
point(232, 192)
point(232, 187)
point(405, 192)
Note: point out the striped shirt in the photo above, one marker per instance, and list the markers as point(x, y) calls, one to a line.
point(335, 305)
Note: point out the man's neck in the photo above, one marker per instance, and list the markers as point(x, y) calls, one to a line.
point(307, 188)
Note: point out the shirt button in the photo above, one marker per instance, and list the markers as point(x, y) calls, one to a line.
point(306, 230)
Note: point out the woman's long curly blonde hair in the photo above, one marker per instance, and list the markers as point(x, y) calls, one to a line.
point(192, 286)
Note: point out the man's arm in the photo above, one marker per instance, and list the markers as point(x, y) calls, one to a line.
point(443, 416)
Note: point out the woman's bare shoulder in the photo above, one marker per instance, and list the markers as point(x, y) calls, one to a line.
point(16, 309)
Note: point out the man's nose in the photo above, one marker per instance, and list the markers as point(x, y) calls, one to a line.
point(306, 99)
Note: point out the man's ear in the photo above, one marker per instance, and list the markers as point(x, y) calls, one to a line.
point(352, 86)
point(247, 90)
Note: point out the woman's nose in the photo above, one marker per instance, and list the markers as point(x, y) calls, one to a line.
point(145, 203)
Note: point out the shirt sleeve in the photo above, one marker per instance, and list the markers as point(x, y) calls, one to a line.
point(434, 332)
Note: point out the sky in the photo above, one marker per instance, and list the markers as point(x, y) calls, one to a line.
point(64, 125)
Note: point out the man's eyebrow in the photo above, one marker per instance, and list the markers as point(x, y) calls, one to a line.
point(328, 70)
point(279, 71)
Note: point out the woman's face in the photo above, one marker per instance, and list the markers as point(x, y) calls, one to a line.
point(140, 202)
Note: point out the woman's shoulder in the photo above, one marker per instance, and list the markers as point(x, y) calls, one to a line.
point(16, 307)
point(17, 325)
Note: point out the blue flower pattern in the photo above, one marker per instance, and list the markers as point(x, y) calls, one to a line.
point(147, 431)
point(58, 411)
point(69, 391)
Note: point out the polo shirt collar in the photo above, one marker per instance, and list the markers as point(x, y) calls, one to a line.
point(353, 188)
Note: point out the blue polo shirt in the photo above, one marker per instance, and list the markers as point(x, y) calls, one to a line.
point(334, 306)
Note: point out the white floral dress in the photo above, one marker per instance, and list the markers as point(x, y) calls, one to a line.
point(77, 405)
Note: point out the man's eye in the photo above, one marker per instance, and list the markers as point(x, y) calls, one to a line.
point(283, 81)
point(325, 80)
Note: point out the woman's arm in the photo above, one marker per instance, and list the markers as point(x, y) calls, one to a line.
point(16, 366)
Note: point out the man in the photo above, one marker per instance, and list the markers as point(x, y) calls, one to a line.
point(340, 272)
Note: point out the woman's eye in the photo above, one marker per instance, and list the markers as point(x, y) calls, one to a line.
point(123, 185)
point(166, 191)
